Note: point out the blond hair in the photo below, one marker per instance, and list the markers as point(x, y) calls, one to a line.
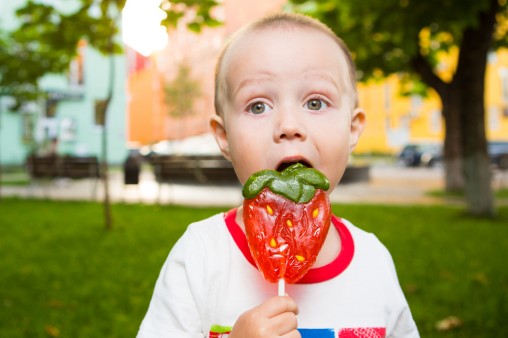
point(284, 21)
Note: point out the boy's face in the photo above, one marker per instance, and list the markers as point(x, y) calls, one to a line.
point(289, 100)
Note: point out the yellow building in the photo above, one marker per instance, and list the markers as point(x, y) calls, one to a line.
point(394, 120)
point(496, 96)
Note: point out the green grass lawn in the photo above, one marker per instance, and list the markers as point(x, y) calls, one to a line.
point(63, 275)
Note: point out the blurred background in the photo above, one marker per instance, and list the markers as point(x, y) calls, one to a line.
point(109, 80)
point(163, 86)
point(112, 90)
point(110, 101)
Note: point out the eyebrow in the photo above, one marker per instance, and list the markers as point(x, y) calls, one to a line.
point(262, 76)
point(339, 85)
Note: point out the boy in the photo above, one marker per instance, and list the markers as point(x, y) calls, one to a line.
point(285, 93)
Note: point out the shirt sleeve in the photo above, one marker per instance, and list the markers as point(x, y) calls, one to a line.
point(403, 325)
point(173, 309)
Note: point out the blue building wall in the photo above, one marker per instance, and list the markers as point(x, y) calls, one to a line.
point(73, 123)
point(12, 150)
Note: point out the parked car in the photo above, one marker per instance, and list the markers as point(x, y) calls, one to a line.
point(498, 153)
point(421, 154)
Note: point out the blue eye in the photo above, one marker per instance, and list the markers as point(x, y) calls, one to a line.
point(258, 108)
point(316, 104)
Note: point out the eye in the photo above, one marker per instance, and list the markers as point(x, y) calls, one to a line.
point(316, 104)
point(259, 108)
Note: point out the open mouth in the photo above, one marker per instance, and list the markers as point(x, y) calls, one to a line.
point(285, 165)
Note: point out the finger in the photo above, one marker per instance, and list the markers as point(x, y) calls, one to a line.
point(277, 305)
point(284, 323)
point(292, 334)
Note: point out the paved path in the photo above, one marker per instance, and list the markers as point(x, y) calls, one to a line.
point(387, 184)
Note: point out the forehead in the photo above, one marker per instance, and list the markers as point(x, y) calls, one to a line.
point(282, 48)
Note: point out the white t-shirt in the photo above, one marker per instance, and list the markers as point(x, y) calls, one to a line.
point(210, 279)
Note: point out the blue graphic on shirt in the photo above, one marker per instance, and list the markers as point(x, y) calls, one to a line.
point(317, 333)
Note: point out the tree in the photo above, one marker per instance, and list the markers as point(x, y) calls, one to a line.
point(46, 42)
point(181, 93)
point(16, 80)
point(408, 37)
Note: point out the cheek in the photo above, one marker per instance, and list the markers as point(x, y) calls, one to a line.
point(340, 168)
point(333, 136)
point(246, 155)
point(335, 154)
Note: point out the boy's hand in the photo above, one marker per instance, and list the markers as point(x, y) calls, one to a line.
point(276, 317)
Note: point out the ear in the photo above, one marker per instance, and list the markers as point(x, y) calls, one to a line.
point(219, 132)
point(357, 126)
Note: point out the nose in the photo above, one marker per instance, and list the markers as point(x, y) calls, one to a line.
point(289, 126)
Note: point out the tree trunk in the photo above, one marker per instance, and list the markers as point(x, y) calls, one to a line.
point(0, 149)
point(0, 154)
point(454, 177)
point(478, 190)
point(470, 79)
point(464, 110)
point(108, 218)
point(449, 95)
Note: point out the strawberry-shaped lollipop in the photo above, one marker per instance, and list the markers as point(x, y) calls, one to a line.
point(287, 216)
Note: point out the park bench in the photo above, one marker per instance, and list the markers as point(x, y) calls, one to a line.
point(216, 169)
point(42, 167)
point(355, 174)
point(51, 167)
point(75, 167)
point(192, 169)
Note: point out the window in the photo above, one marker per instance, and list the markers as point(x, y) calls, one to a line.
point(503, 74)
point(494, 118)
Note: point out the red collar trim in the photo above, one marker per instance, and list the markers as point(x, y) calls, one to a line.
point(321, 274)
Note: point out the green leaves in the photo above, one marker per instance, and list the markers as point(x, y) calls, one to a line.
point(181, 93)
point(385, 35)
point(201, 10)
point(297, 183)
point(47, 38)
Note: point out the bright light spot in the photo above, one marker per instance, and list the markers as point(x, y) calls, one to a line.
point(141, 28)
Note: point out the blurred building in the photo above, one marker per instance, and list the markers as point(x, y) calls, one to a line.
point(69, 115)
point(139, 112)
point(150, 120)
point(392, 120)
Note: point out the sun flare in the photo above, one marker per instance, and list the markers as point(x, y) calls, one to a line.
point(141, 28)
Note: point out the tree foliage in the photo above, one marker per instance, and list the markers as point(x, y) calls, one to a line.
point(181, 93)
point(409, 38)
point(385, 36)
point(45, 41)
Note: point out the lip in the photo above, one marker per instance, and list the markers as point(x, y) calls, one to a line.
point(289, 160)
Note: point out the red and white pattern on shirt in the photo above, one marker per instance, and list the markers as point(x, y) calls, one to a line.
point(360, 332)
point(368, 332)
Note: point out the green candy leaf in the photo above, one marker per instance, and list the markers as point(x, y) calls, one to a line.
point(287, 188)
point(257, 182)
point(308, 192)
point(314, 178)
point(297, 183)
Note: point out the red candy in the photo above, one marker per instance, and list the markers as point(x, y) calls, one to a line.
point(285, 236)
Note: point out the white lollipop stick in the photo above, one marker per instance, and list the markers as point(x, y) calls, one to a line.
point(282, 287)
